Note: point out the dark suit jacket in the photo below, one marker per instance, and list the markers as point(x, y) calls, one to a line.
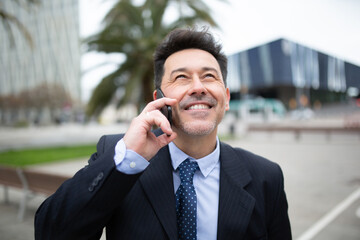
point(252, 201)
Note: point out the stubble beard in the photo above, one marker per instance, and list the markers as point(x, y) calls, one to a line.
point(198, 127)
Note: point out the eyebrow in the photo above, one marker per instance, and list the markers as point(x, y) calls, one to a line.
point(178, 70)
point(185, 70)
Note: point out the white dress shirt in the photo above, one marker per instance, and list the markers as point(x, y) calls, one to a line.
point(206, 182)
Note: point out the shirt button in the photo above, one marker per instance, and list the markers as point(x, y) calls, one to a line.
point(132, 164)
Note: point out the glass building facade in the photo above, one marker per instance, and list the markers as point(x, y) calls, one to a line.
point(54, 58)
point(55, 55)
point(280, 68)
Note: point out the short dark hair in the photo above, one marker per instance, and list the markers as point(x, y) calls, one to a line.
point(181, 39)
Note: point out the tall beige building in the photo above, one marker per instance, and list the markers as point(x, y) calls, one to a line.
point(54, 58)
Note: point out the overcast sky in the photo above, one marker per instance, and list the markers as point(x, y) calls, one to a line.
point(329, 26)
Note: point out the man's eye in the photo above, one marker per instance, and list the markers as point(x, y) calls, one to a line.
point(209, 75)
point(180, 76)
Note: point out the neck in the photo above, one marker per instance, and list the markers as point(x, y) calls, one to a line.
point(196, 146)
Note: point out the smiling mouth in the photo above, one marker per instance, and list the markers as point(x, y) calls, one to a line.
point(199, 107)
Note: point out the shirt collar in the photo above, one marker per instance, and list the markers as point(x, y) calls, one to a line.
point(206, 164)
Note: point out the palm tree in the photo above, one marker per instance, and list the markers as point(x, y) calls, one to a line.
point(135, 32)
point(8, 19)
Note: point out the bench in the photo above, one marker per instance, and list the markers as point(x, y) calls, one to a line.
point(30, 182)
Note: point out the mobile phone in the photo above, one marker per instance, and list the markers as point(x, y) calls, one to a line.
point(166, 110)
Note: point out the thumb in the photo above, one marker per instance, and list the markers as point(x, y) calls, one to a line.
point(165, 139)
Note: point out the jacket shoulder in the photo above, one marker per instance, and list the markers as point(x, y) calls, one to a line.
point(107, 141)
point(257, 165)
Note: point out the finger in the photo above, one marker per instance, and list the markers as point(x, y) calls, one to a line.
point(164, 139)
point(159, 103)
point(157, 118)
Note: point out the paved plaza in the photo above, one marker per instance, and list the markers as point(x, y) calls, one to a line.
point(322, 178)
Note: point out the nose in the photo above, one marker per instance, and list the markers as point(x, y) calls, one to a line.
point(197, 87)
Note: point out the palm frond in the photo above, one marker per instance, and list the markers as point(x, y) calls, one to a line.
point(102, 94)
point(7, 20)
point(135, 32)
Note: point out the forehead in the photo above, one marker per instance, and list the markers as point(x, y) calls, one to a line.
point(190, 59)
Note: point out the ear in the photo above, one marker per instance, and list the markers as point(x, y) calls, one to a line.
point(227, 105)
point(155, 95)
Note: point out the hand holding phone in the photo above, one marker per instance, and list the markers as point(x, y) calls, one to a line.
point(166, 110)
point(140, 138)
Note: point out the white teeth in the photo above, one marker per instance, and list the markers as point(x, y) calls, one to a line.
point(198, 106)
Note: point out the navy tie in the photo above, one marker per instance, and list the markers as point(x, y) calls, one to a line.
point(186, 201)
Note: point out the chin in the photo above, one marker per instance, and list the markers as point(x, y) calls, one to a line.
point(199, 128)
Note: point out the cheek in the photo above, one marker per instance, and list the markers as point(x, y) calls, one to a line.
point(219, 93)
point(176, 92)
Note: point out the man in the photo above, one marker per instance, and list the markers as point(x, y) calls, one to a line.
point(134, 186)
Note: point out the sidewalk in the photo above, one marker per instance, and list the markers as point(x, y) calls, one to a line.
point(10, 226)
point(65, 168)
point(63, 135)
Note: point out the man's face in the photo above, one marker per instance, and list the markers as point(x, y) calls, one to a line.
point(193, 77)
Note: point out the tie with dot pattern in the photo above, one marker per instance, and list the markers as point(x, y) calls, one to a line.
point(186, 201)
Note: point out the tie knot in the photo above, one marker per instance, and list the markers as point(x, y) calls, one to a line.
point(187, 170)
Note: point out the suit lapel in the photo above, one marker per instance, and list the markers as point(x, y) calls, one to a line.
point(235, 204)
point(157, 182)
